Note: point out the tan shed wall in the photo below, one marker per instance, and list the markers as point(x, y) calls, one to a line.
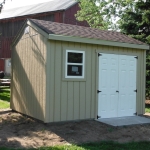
point(73, 99)
point(28, 75)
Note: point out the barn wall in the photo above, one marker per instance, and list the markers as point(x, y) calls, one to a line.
point(5, 50)
point(28, 75)
point(69, 16)
point(69, 99)
point(10, 27)
point(2, 64)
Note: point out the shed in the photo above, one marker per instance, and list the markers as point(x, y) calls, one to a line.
point(64, 72)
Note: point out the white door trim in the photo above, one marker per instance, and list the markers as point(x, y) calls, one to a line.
point(110, 81)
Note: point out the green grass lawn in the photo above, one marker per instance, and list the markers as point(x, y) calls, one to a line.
point(4, 97)
point(98, 146)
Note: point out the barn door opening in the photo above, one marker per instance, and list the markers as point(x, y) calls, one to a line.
point(117, 86)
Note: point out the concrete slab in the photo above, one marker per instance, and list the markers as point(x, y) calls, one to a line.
point(125, 121)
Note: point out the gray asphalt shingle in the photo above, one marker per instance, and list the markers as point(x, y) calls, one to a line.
point(85, 32)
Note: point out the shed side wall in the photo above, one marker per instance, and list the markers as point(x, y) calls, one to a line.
point(77, 99)
point(29, 76)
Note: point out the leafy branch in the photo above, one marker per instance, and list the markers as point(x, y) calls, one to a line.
point(1, 5)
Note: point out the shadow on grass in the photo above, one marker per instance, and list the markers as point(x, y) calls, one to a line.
point(5, 94)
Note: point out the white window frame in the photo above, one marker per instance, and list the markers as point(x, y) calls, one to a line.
point(81, 64)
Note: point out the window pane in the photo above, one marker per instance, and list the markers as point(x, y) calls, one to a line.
point(74, 70)
point(75, 57)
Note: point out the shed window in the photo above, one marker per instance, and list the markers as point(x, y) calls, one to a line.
point(74, 64)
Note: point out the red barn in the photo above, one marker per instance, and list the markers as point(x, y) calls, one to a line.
point(62, 11)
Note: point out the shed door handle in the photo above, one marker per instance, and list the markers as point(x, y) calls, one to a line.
point(117, 91)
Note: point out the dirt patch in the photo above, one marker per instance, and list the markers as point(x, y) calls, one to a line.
point(17, 131)
point(147, 102)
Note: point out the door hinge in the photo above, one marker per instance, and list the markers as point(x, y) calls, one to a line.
point(98, 117)
point(135, 90)
point(136, 57)
point(135, 114)
point(99, 54)
point(98, 91)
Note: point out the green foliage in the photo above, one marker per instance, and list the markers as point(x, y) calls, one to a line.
point(102, 13)
point(90, 12)
point(136, 23)
point(130, 17)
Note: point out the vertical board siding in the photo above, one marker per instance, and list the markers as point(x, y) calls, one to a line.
point(69, 100)
point(76, 98)
point(57, 89)
point(94, 71)
point(50, 99)
point(82, 100)
point(29, 75)
point(88, 94)
point(73, 100)
point(64, 101)
point(70, 103)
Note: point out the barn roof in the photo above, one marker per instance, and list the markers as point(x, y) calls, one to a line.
point(84, 32)
point(50, 6)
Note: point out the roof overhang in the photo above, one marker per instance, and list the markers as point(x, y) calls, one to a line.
point(96, 41)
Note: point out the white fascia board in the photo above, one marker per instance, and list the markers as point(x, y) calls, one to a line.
point(96, 41)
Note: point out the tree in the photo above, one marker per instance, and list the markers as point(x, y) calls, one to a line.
point(133, 19)
point(102, 13)
point(91, 13)
point(136, 23)
point(1, 5)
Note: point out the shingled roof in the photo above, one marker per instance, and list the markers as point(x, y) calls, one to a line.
point(53, 5)
point(83, 32)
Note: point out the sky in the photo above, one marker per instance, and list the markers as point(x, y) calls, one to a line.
point(19, 3)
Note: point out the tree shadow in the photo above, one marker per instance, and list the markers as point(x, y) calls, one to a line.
point(5, 144)
point(27, 80)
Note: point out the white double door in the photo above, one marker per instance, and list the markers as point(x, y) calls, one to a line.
point(117, 85)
